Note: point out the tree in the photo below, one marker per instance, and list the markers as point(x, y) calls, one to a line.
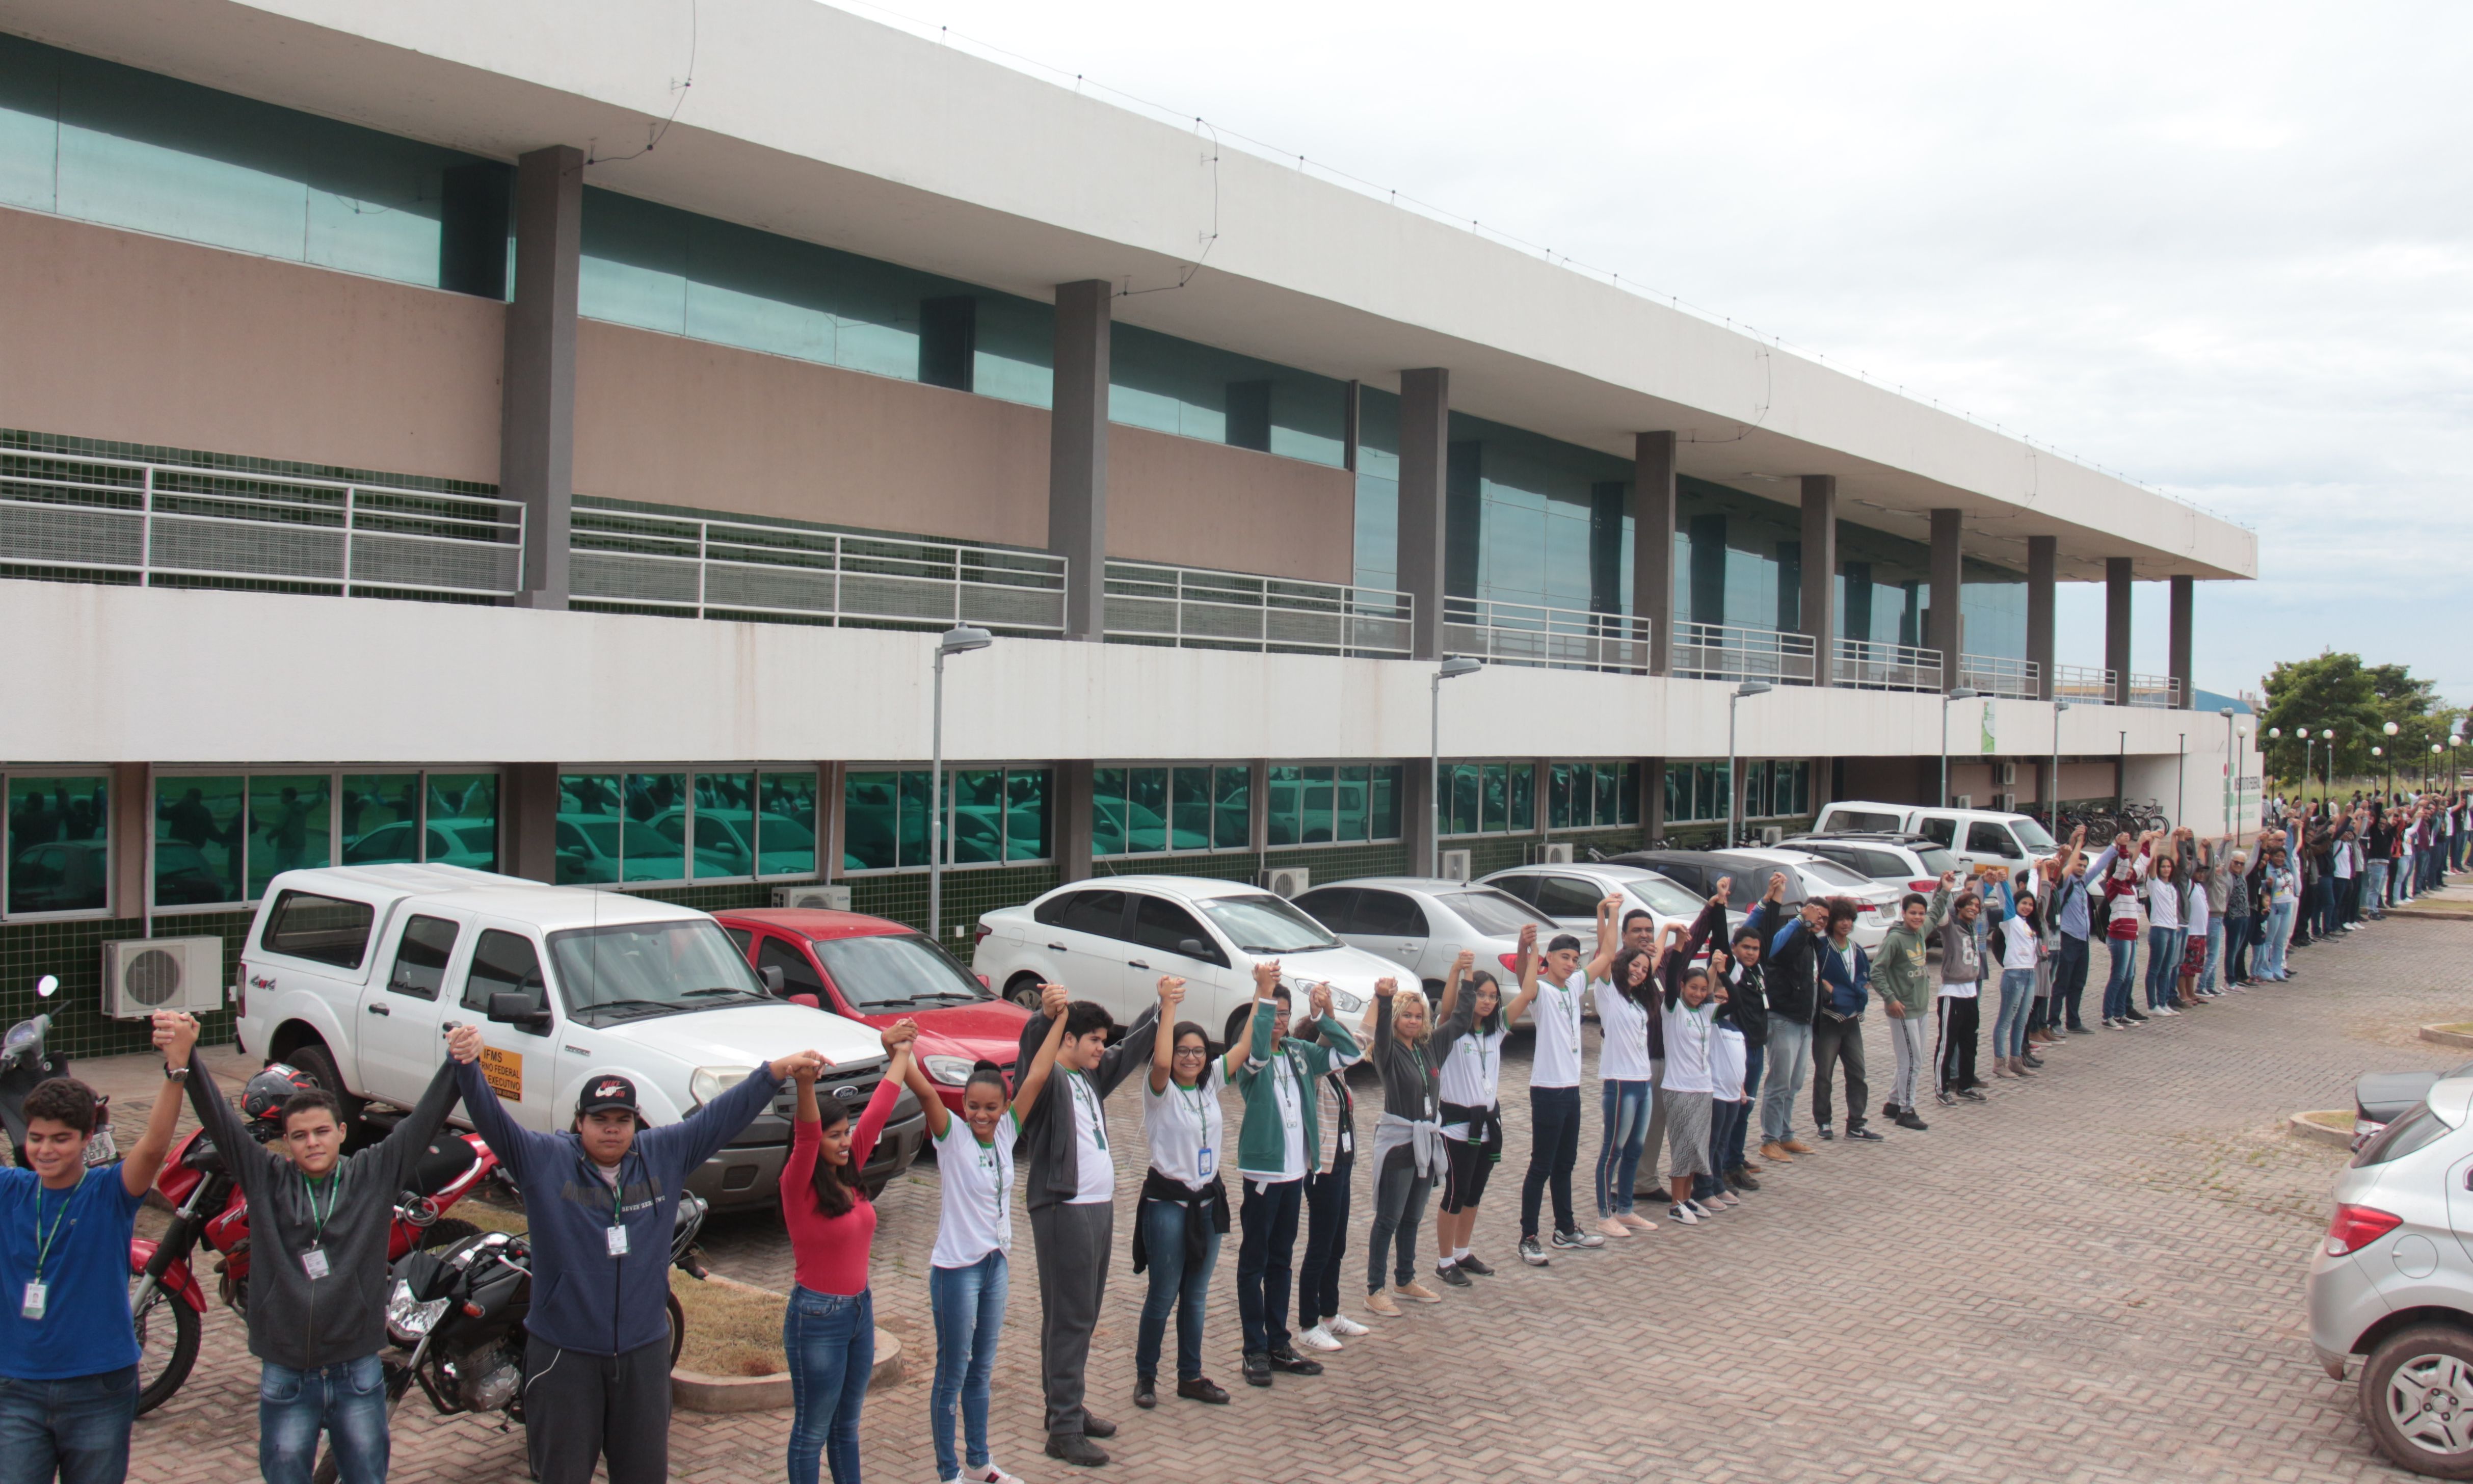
point(2357, 700)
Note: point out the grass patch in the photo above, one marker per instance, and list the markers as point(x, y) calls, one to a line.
point(731, 1329)
point(2337, 1118)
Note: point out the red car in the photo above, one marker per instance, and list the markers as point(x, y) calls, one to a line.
point(876, 973)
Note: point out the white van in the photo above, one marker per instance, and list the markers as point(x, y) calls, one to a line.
point(351, 974)
point(1981, 839)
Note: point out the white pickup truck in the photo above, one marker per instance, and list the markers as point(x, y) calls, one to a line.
point(351, 974)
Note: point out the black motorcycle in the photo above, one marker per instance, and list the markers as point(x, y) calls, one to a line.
point(455, 1315)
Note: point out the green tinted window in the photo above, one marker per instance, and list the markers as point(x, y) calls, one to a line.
point(1350, 802)
point(1145, 810)
point(59, 841)
point(589, 833)
point(1494, 798)
point(199, 841)
point(914, 817)
point(977, 799)
point(1609, 794)
point(654, 804)
point(869, 808)
point(381, 818)
point(289, 825)
point(1467, 783)
point(1026, 835)
point(1231, 807)
point(1107, 811)
point(785, 824)
point(463, 819)
point(1523, 798)
point(723, 825)
point(1382, 811)
point(1189, 810)
point(1288, 805)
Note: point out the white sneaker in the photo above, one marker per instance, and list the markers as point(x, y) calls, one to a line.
point(1685, 1214)
point(2163, 1010)
point(1344, 1327)
point(991, 1475)
point(1703, 1210)
point(1317, 1338)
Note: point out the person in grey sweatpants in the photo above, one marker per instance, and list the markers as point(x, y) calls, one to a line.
point(1069, 1185)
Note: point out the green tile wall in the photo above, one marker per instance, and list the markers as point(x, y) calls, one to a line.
point(74, 952)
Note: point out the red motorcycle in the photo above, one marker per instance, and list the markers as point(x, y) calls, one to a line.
point(165, 1299)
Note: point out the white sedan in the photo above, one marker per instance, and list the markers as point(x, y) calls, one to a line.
point(1110, 940)
point(1423, 922)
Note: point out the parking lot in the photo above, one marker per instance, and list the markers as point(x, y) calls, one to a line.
point(2094, 1276)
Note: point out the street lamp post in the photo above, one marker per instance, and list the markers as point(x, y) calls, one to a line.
point(1450, 669)
point(2181, 781)
point(2052, 816)
point(959, 639)
point(2232, 776)
point(2425, 773)
point(1961, 693)
point(2391, 728)
point(1733, 790)
point(2121, 777)
point(2327, 770)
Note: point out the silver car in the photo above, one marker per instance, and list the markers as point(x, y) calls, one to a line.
point(2393, 1282)
point(1570, 895)
point(1423, 923)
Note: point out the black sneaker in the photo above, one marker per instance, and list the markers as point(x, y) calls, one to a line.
point(1889, 1109)
point(1449, 1273)
point(1094, 1426)
point(2133, 1018)
point(1972, 1097)
point(1473, 1263)
point(1827, 1134)
point(2031, 1059)
point(1946, 1099)
point(1906, 1119)
point(1532, 1253)
point(2080, 1030)
point(1576, 1241)
point(1258, 1368)
point(1145, 1391)
point(1204, 1390)
point(1288, 1360)
point(1076, 1450)
point(1741, 1178)
point(1863, 1133)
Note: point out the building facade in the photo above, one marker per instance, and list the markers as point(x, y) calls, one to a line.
point(412, 448)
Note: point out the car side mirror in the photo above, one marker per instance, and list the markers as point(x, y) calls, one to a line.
point(523, 1011)
point(1193, 948)
point(772, 980)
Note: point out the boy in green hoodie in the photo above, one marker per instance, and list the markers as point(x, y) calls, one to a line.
point(1278, 1146)
point(1906, 991)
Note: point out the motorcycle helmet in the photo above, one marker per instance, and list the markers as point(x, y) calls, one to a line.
point(262, 1100)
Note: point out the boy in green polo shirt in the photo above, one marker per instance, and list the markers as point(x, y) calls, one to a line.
point(1277, 1148)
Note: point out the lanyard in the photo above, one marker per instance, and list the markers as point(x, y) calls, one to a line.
point(1082, 1086)
point(334, 1193)
point(42, 1239)
point(1196, 1099)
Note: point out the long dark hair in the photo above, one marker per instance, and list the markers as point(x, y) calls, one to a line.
point(1477, 981)
point(835, 1195)
point(1620, 971)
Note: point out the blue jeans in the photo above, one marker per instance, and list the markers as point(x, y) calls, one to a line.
point(1725, 1132)
point(1176, 1285)
point(2117, 987)
point(830, 1339)
point(2215, 954)
point(2374, 889)
point(1731, 1152)
point(2010, 1028)
point(347, 1403)
point(968, 1306)
point(2163, 964)
point(77, 1429)
point(2069, 982)
point(1790, 1061)
point(2279, 935)
point(1626, 1106)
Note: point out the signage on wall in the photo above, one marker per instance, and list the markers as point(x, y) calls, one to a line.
point(1989, 745)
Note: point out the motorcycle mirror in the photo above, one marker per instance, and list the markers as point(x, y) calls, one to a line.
point(47, 986)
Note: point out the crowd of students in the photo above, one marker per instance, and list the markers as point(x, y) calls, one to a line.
point(1699, 1023)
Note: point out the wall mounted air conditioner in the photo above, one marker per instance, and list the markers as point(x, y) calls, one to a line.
point(1455, 865)
point(832, 898)
point(1289, 880)
point(2006, 803)
point(1771, 834)
point(1961, 801)
point(141, 975)
point(1553, 852)
point(2009, 771)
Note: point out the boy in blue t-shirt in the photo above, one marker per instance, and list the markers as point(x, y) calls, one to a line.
point(67, 1344)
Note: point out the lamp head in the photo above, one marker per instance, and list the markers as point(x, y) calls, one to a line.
point(1459, 665)
point(1752, 688)
point(962, 638)
point(2391, 728)
point(2274, 733)
point(2223, 711)
point(1962, 693)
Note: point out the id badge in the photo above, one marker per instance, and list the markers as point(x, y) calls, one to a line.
point(617, 1241)
point(314, 1264)
point(1202, 1164)
point(37, 1295)
point(1346, 1143)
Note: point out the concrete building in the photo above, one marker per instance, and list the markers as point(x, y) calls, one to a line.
point(417, 443)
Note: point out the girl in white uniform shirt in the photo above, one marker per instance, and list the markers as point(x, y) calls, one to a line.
point(1184, 1208)
point(1691, 1019)
point(1475, 1025)
point(1632, 1036)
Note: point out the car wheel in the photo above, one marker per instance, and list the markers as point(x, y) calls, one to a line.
point(2417, 1398)
point(1024, 990)
point(312, 1057)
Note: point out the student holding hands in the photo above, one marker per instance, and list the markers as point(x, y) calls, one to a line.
point(1184, 1209)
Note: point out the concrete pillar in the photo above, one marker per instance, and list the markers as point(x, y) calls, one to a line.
point(131, 808)
point(536, 406)
point(1652, 559)
point(2177, 637)
point(2117, 577)
point(528, 820)
point(1069, 820)
point(1077, 461)
point(1946, 575)
point(1652, 795)
point(831, 830)
point(2043, 580)
point(1425, 438)
point(1417, 813)
point(1820, 574)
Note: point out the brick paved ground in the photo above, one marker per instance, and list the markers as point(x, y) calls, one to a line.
point(2096, 1276)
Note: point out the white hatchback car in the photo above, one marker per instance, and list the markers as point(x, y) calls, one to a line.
point(2394, 1282)
point(1109, 938)
point(1423, 922)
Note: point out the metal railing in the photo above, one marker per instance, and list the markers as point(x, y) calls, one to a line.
point(1866, 666)
point(1727, 652)
point(2155, 690)
point(1198, 609)
point(2082, 685)
point(1998, 674)
point(1560, 639)
point(156, 521)
point(731, 569)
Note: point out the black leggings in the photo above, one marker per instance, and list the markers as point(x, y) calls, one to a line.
point(1466, 1168)
point(1960, 1018)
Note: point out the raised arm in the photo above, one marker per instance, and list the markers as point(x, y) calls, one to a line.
point(1609, 938)
point(1120, 1061)
point(1171, 994)
point(1519, 1006)
point(915, 1077)
point(175, 1034)
point(1031, 1077)
point(692, 1141)
point(1255, 1049)
point(1383, 990)
point(405, 1143)
point(1938, 912)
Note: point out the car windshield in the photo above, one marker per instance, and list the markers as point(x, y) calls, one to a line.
point(632, 969)
point(2031, 834)
point(1936, 862)
point(1830, 873)
point(1664, 897)
point(1265, 924)
point(896, 972)
point(1494, 914)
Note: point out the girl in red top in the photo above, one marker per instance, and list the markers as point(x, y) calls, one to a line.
point(830, 1331)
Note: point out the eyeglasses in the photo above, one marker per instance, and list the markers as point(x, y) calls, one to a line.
point(1194, 1052)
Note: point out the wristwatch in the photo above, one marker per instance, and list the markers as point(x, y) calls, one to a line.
point(172, 1073)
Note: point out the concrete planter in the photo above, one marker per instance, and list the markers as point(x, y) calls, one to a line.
point(697, 1392)
point(2458, 1033)
point(2337, 1131)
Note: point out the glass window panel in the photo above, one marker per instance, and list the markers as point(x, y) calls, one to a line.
point(1678, 791)
point(869, 809)
point(1467, 783)
point(724, 825)
point(381, 816)
point(1756, 789)
point(59, 844)
point(591, 833)
point(1107, 811)
point(1231, 825)
point(1288, 805)
point(1523, 798)
point(1382, 812)
point(913, 833)
point(1704, 791)
point(650, 853)
point(978, 803)
point(199, 841)
point(1630, 812)
point(1319, 786)
point(1189, 810)
point(1558, 810)
point(289, 821)
point(1014, 350)
point(1350, 804)
point(420, 957)
point(1145, 810)
point(1494, 800)
point(785, 824)
point(1027, 814)
point(1584, 795)
point(463, 819)
point(1609, 799)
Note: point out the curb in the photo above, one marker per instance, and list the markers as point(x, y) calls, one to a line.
point(696, 1392)
point(2452, 1034)
point(2300, 1126)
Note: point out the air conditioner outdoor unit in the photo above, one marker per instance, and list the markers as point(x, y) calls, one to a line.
point(1289, 880)
point(1771, 834)
point(141, 975)
point(2008, 775)
point(2006, 803)
point(1961, 801)
point(1553, 852)
point(1455, 865)
point(832, 898)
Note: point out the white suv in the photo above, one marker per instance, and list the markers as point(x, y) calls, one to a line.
point(1109, 938)
point(351, 974)
point(2394, 1282)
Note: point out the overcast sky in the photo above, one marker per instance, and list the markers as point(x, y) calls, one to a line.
point(2222, 250)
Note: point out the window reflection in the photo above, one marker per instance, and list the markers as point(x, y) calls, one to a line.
point(288, 825)
point(59, 845)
